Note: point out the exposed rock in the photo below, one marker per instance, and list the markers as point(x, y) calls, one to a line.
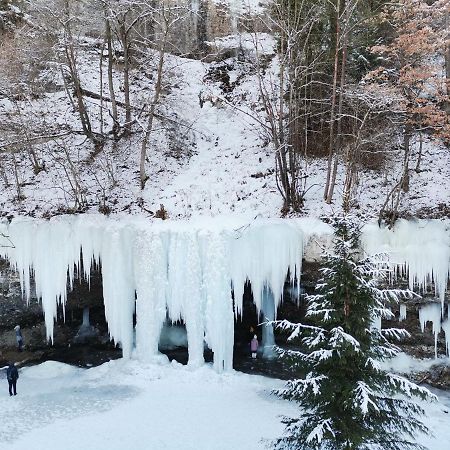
point(437, 376)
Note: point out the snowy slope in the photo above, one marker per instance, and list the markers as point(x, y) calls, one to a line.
point(128, 405)
point(213, 160)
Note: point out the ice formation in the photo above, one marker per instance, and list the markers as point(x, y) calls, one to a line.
point(446, 329)
point(431, 313)
point(419, 249)
point(163, 271)
point(402, 312)
point(196, 271)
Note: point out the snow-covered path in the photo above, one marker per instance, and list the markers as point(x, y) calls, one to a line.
point(128, 405)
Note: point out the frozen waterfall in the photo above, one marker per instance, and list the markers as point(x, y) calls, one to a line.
point(418, 249)
point(165, 270)
point(196, 270)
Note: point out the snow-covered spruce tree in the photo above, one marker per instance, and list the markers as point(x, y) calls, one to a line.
point(347, 401)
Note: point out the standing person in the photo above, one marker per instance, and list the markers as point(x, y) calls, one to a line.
point(19, 337)
point(254, 346)
point(12, 374)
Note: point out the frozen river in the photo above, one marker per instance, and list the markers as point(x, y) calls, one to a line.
point(125, 404)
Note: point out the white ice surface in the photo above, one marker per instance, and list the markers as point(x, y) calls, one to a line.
point(402, 312)
point(129, 405)
point(183, 270)
point(125, 404)
point(419, 249)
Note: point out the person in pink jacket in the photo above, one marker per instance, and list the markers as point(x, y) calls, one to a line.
point(254, 346)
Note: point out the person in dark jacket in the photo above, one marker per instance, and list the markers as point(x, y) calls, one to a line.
point(12, 374)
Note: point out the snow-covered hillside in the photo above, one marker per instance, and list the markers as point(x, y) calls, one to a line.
point(208, 153)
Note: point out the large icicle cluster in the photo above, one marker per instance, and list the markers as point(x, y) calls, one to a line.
point(170, 270)
point(419, 249)
point(188, 270)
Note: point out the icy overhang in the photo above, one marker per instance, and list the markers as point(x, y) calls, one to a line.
point(187, 270)
point(183, 270)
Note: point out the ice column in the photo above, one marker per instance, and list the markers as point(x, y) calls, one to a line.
point(402, 312)
point(185, 299)
point(268, 315)
point(219, 304)
point(446, 328)
point(118, 286)
point(150, 266)
point(431, 313)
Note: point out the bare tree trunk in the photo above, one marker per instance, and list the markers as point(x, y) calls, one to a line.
point(101, 86)
point(124, 37)
point(447, 56)
point(419, 156)
point(333, 102)
point(156, 96)
point(112, 94)
point(72, 64)
point(16, 177)
point(332, 181)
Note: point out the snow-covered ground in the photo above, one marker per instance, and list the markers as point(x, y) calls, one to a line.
point(124, 404)
point(127, 405)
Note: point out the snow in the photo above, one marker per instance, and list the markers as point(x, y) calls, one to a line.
point(125, 404)
point(220, 162)
point(128, 404)
point(404, 363)
point(241, 6)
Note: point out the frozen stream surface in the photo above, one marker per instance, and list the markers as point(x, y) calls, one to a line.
point(126, 404)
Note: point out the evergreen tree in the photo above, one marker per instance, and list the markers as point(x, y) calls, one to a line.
point(348, 402)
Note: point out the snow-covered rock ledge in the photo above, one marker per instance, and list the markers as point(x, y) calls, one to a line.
point(185, 270)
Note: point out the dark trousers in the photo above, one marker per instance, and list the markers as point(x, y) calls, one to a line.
point(12, 387)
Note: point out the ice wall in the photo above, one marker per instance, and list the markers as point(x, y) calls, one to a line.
point(188, 270)
point(162, 270)
point(419, 249)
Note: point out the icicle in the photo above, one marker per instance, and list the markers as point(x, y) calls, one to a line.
point(419, 248)
point(268, 314)
point(263, 254)
point(376, 323)
point(402, 312)
point(119, 286)
point(431, 313)
point(446, 329)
